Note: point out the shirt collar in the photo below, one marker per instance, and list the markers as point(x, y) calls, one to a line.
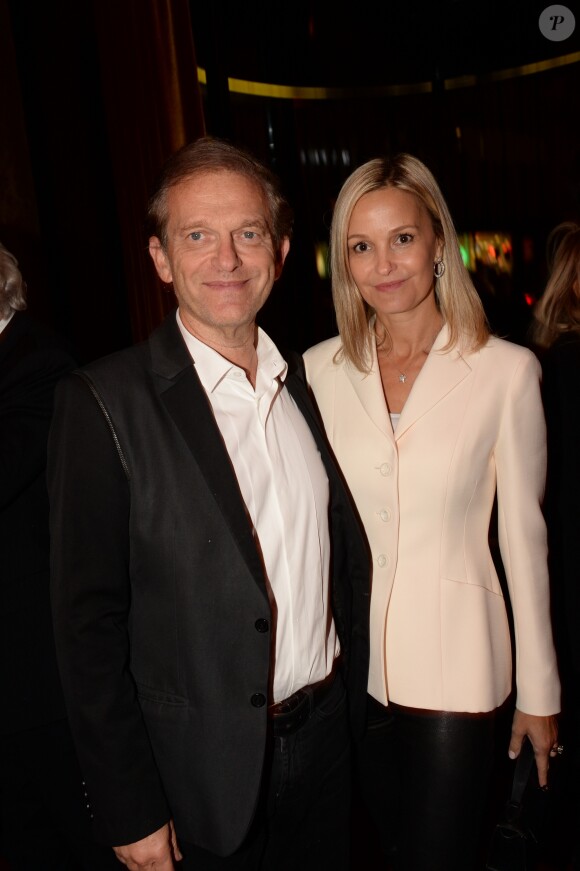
point(212, 367)
point(5, 321)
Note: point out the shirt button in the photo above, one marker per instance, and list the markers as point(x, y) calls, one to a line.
point(262, 625)
point(382, 560)
point(258, 700)
point(385, 469)
point(385, 514)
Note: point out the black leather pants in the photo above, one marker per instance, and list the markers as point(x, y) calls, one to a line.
point(425, 777)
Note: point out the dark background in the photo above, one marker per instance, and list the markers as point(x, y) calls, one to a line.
point(97, 94)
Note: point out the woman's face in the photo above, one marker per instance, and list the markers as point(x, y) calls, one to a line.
point(391, 251)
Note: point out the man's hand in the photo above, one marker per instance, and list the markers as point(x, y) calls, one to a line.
point(543, 735)
point(156, 852)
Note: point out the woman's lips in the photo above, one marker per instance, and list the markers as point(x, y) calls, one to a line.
point(386, 286)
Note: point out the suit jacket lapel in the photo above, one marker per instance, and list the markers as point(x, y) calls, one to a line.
point(295, 383)
point(187, 404)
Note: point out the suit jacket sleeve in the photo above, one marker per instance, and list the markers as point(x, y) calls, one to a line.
point(89, 494)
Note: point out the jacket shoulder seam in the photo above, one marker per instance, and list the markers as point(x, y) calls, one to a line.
point(108, 420)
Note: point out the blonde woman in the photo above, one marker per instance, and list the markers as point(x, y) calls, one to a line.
point(557, 313)
point(430, 418)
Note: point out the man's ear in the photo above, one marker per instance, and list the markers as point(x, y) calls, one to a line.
point(282, 254)
point(159, 257)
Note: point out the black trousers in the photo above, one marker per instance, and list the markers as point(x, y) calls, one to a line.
point(425, 778)
point(303, 817)
point(44, 824)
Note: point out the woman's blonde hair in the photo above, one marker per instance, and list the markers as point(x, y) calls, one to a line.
point(457, 298)
point(558, 309)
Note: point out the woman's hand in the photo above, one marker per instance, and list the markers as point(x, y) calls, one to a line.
point(543, 735)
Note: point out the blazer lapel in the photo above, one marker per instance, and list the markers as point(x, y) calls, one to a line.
point(187, 404)
point(440, 374)
point(369, 390)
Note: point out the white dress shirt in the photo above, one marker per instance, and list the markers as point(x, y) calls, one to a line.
point(5, 321)
point(285, 489)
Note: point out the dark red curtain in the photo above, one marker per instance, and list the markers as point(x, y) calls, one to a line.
point(95, 96)
point(153, 106)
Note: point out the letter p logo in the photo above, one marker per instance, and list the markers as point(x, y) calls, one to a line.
point(557, 23)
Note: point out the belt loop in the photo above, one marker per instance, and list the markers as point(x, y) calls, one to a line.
point(287, 716)
point(309, 690)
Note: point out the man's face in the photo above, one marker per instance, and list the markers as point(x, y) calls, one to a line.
point(219, 254)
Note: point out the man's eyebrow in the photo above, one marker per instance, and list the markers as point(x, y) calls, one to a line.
point(254, 222)
point(203, 224)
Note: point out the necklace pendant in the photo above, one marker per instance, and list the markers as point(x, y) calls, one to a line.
point(402, 377)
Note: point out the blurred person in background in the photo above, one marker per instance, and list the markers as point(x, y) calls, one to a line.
point(44, 825)
point(556, 336)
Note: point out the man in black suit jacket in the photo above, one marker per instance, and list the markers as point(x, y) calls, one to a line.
point(211, 580)
point(42, 821)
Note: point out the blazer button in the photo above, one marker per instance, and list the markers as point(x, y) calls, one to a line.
point(385, 469)
point(262, 625)
point(382, 560)
point(258, 700)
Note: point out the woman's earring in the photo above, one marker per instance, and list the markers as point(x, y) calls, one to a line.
point(438, 268)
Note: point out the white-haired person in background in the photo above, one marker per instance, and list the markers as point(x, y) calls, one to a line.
point(43, 820)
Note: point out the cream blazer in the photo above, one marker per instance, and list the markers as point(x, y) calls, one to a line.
point(473, 423)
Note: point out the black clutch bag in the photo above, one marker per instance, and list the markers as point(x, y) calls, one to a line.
point(514, 844)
